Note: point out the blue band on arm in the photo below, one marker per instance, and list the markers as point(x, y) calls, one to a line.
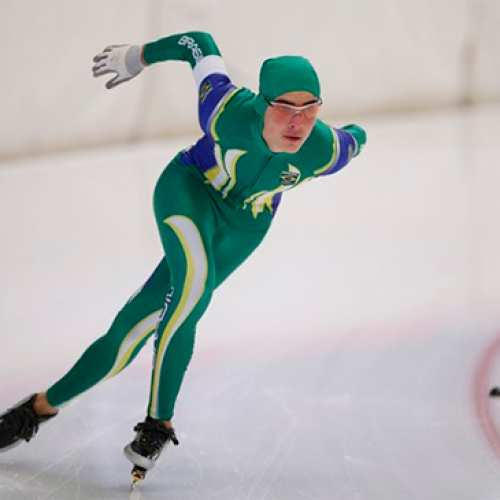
point(346, 149)
point(212, 89)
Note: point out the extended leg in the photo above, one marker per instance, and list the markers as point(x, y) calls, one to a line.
point(110, 354)
point(105, 358)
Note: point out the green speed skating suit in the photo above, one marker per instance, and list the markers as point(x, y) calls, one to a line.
point(213, 204)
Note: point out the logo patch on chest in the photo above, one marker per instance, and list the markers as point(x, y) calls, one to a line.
point(290, 177)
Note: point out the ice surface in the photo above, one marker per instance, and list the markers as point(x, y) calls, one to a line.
point(349, 358)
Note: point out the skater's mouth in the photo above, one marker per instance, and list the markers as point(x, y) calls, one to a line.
point(293, 138)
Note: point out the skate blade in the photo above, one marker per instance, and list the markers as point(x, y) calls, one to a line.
point(135, 492)
point(138, 475)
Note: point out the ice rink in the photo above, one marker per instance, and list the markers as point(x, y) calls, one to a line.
point(350, 358)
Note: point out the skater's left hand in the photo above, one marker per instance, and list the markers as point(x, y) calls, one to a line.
point(123, 60)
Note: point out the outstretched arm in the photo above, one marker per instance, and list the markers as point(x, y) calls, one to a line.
point(359, 136)
point(197, 48)
point(348, 142)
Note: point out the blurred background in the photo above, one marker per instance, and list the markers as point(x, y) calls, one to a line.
point(373, 56)
point(368, 320)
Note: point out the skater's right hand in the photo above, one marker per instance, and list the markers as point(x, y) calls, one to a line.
point(122, 60)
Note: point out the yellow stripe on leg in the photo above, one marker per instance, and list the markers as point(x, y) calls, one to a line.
point(134, 337)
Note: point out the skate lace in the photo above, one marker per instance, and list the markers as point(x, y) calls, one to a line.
point(23, 422)
point(153, 435)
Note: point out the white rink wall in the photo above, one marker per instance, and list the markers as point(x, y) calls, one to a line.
point(373, 56)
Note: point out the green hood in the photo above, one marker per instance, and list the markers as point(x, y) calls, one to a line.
point(285, 74)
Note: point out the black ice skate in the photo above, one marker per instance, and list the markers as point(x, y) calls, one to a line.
point(20, 422)
point(152, 437)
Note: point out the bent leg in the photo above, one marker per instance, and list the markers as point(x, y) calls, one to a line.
point(111, 353)
point(194, 227)
point(192, 278)
point(186, 222)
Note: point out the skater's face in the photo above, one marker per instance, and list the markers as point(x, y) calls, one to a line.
point(289, 120)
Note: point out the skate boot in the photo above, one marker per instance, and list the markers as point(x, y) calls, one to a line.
point(20, 422)
point(152, 437)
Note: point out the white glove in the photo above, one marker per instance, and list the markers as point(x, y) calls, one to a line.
point(123, 60)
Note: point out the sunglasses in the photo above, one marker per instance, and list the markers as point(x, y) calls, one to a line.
point(286, 110)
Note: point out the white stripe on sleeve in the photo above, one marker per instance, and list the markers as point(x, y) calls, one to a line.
point(207, 66)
